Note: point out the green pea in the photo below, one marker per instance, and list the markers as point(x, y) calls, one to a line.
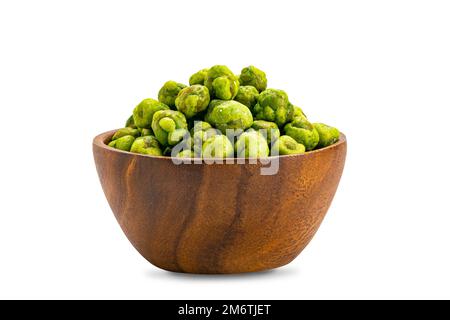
point(169, 92)
point(125, 132)
point(200, 132)
point(251, 144)
point(130, 123)
point(286, 145)
point(303, 132)
point(146, 145)
point(186, 154)
point(252, 76)
point(179, 136)
point(222, 88)
point(124, 143)
point(144, 111)
point(298, 112)
point(200, 126)
point(221, 83)
point(166, 121)
point(273, 105)
point(167, 124)
point(192, 100)
point(247, 95)
point(198, 77)
point(327, 135)
point(217, 146)
point(225, 115)
point(270, 128)
point(146, 132)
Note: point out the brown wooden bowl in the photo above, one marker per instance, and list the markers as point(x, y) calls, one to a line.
point(218, 218)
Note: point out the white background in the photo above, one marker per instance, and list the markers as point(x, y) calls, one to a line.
point(378, 70)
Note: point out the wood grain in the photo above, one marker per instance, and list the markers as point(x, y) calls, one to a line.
point(218, 218)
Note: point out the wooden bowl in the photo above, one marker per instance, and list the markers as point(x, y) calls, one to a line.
point(218, 218)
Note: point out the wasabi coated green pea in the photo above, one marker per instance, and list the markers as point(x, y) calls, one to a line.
point(125, 132)
point(200, 133)
point(273, 105)
point(218, 146)
point(214, 103)
point(225, 115)
point(198, 77)
point(179, 136)
point(252, 76)
point(298, 112)
point(221, 83)
point(287, 145)
point(146, 132)
point(169, 92)
point(143, 113)
point(146, 145)
point(186, 154)
point(112, 144)
point(166, 121)
point(327, 135)
point(271, 129)
point(124, 143)
point(200, 126)
point(247, 95)
point(251, 144)
point(192, 100)
point(130, 123)
point(303, 132)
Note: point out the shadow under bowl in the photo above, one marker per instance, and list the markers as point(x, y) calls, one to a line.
point(219, 218)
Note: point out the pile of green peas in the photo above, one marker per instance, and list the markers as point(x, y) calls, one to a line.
point(221, 115)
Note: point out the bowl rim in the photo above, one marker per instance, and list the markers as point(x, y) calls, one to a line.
point(100, 142)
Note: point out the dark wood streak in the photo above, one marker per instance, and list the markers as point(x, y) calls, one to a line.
point(232, 230)
point(188, 219)
point(236, 221)
point(128, 194)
